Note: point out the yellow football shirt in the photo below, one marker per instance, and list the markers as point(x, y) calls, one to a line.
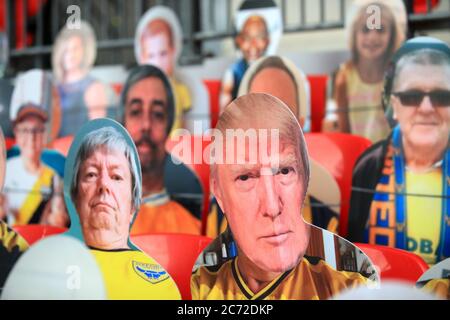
point(312, 279)
point(167, 217)
point(10, 239)
point(439, 287)
point(424, 215)
point(182, 103)
point(130, 274)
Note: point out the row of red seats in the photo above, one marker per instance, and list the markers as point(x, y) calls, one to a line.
point(337, 152)
point(177, 253)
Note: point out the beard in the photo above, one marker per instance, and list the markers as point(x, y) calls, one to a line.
point(152, 158)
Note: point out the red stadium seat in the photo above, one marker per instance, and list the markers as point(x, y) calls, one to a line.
point(117, 87)
point(177, 253)
point(420, 6)
point(318, 87)
point(214, 99)
point(62, 145)
point(338, 152)
point(9, 142)
point(395, 264)
point(32, 233)
point(194, 160)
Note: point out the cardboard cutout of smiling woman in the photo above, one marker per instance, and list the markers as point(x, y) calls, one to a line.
point(102, 190)
point(82, 96)
point(268, 250)
point(436, 280)
point(11, 244)
point(159, 41)
point(375, 30)
point(259, 27)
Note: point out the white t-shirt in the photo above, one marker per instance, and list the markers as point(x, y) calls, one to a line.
point(26, 192)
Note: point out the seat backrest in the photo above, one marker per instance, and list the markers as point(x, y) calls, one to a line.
point(214, 87)
point(318, 88)
point(395, 263)
point(62, 145)
point(194, 160)
point(32, 233)
point(9, 142)
point(338, 152)
point(177, 253)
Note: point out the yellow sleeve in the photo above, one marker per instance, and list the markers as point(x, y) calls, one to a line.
point(184, 96)
point(195, 285)
point(10, 239)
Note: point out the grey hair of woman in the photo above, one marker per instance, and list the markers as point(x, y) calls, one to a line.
point(112, 140)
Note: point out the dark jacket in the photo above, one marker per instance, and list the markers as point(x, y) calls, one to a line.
point(366, 174)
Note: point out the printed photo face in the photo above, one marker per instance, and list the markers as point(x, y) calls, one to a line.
point(30, 137)
point(146, 119)
point(424, 124)
point(159, 39)
point(102, 173)
point(74, 53)
point(253, 39)
point(374, 44)
point(104, 197)
point(278, 83)
point(157, 46)
point(262, 206)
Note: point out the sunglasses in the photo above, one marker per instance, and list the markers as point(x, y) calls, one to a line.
point(413, 98)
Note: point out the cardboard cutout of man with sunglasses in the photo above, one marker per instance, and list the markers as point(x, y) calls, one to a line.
point(401, 186)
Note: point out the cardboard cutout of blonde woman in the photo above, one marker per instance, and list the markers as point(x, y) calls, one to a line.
point(268, 250)
point(11, 244)
point(376, 29)
point(33, 190)
point(82, 96)
point(159, 41)
point(102, 190)
point(280, 77)
point(259, 28)
point(436, 280)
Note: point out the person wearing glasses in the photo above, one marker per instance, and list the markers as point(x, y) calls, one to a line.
point(401, 186)
point(33, 191)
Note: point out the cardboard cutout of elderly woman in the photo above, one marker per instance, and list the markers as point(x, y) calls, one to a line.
point(259, 27)
point(268, 250)
point(102, 189)
point(82, 96)
point(159, 41)
point(376, 29)
point(11, 244)
point(280, 77)
point(436, 280)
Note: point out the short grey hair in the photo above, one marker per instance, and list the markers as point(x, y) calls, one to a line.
point(111, 139)
point(422, 57)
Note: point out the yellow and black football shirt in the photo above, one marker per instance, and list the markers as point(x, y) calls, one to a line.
point(311, 279)
point(131, 274)
point(12, 245)
point(439, 287)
